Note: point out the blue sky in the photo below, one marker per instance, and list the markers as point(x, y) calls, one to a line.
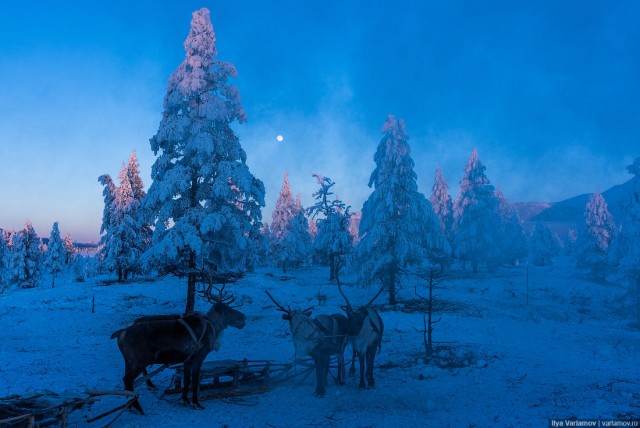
point(547, 91)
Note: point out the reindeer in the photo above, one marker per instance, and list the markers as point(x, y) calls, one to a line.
point(365, 329)
point(318, 337)
point(173, 339)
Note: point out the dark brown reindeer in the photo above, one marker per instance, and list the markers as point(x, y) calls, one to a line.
point(365, 329)
point(318, 337)
point(174, 339)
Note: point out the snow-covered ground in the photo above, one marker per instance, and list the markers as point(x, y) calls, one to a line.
point(571, 352)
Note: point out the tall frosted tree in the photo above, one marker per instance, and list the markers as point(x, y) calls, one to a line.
point(333, 240)
point(513, 242)
point(26, 258)
point(204, 203)
point(543, 245)
point(56, 254)
point(137, 190)
point(595, 240)
point(443, 208)
point(476, 219)
point(625, 251)
point(281, 234)
point(4, 261)
point(398, 225)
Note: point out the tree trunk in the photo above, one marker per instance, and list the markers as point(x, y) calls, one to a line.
point(284, 266)
point(332, 267)
point(53, 280)
point(191, 284)
point(392, 287)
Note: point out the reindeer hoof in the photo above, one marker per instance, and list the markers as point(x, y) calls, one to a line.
point(197, 406)
point(318, 394)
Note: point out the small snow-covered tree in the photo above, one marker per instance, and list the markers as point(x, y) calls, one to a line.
point(625, 251)
point(80, 269)
point(281, 234)
point(300, 235)
point(595, 240)
point(5, 258)
point(513, 242)
point(476, 219)
point(70, 249)
point(398, 225)
point(56, 254)
point(204, 203)
point(354, 226)
point(543, 245)
point(26, 258)
point(443, 208)
point(137, 189)
point(333, 240)
point(124, 244)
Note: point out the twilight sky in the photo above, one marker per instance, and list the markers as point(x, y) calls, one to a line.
point(548, 92)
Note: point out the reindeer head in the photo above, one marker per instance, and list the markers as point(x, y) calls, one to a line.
point(356, 316)
point(290, 314)
point(222, 306)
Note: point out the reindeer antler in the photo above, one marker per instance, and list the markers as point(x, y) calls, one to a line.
point(278, 305)
point(374, 297)
point(344, 295)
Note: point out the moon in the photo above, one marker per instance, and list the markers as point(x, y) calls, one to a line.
point(279, 137)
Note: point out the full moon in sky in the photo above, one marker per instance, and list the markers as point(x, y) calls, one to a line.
point(279, 138)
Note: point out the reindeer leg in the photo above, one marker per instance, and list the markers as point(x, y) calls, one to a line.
point(341, 377)
point(186, 369)
point(371, 355)
point(195, 380)
point(149, 383)
point(320, 387)
point(130, 373)
point(352, 369)
point(362, 367)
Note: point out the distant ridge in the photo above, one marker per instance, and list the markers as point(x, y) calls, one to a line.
point(569, 213)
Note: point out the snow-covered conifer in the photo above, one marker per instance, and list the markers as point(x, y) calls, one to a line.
point(333, 240)
point(543, 246)
point(354, 226)
point(204, 203)
point(5, 256)
point(80, 269)
point(124, 245)
point(625, 251)
point(26, 258)
point(476, 219)
point(70, 249)
point(443, 208)
point(512, 240)
point(56, 254)
point(281, 225)
point(595, 240)
point(137, 188)
point(398, 225)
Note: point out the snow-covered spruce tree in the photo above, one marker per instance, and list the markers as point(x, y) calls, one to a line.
point(26, 258)
point(333, 240)
point(5, 257)
point(543, 245)
point(203, 202)
point(443, 208)
point(354, 226)
point(56, 254)
point(137, 189)
point(281, 234)
point(398, 226)
point(70, 249)
point(300, 233)
point(595, 240)
point(476, 220)
point(125, 245)
point(80, 269)
point(513, 241)
point(625, 251)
